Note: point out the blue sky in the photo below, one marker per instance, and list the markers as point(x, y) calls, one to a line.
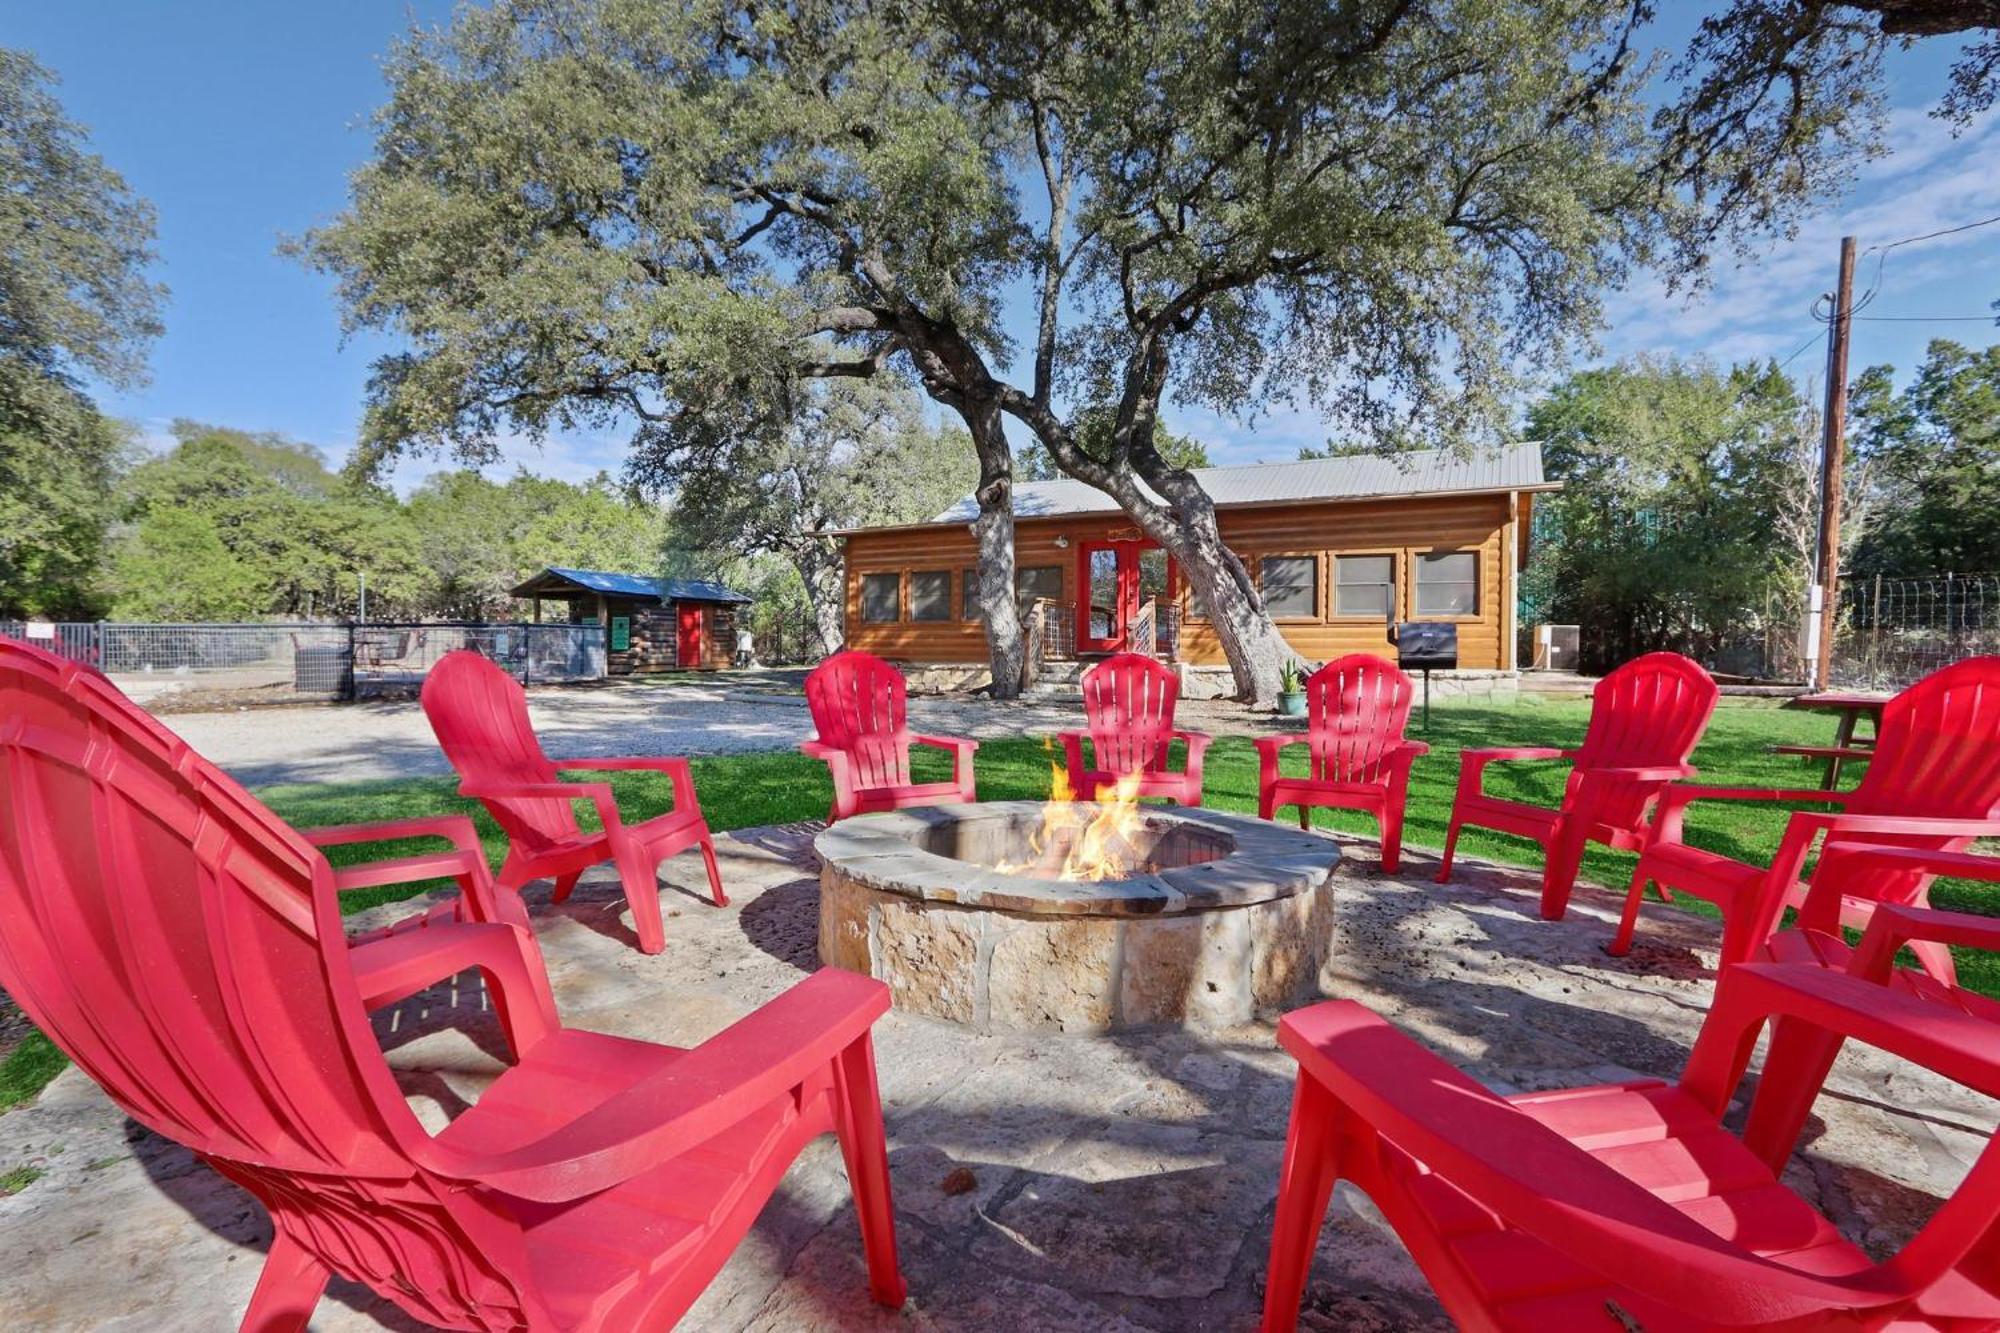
point(240, 122)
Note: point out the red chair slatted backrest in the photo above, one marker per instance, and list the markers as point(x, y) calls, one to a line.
point(165, 930)
point(1938, 752)
point(1648, 713)
point(1937, 755)
point(1129, 703)
point(479, 714)
point(1357, 708)
point(858, 704)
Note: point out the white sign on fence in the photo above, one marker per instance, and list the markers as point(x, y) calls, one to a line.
point(40, 629)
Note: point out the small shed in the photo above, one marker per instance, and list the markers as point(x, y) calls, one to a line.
point(650, 624)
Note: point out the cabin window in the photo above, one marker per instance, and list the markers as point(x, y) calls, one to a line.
point(1448, 583)
point(1290, 585)
point(881, 598)
point(968, 600)
point(1364, 585)
point(930, 594)
point(1038, 581)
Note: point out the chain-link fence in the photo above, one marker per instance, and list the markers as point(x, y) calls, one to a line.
point(1894, 630)
point(284, 663)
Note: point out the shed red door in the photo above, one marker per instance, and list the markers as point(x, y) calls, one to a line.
point(689, 637)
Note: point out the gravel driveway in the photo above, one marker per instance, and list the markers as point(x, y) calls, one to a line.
point(358, 742)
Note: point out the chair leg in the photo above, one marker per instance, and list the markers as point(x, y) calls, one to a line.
point(714, 874)
point(1266, 806)
point(1935, 959)
point(866, 1151)
point(1390, 821)
point(638, 872)
point(565, 885)
point(1305, 816)
point(1450, 846)
point(1795, 1068)
point(1560, 862)
point(1621, 943)
point(1305, 1184)
point(287, 1289)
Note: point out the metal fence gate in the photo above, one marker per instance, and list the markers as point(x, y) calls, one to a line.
point(278, 663)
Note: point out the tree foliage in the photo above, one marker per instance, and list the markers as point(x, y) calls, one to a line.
point(74, 301)
point(587, 211)
point(1679, 480)
point(852, 453)
point(234, 525)
point(1933, 458)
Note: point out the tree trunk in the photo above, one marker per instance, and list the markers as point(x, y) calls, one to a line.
point(1250, 639)
point(824, 575)
point(993, 532)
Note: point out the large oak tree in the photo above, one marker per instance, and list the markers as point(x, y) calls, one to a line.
point(582, 211)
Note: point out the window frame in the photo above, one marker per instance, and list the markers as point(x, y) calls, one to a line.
point(1417, 611)
point(861, 596)
point(1062, 583)
point(1395, 558)
point(968, 602)
point(1317, 615)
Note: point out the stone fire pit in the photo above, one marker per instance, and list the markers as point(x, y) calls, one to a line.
point(1227, 916)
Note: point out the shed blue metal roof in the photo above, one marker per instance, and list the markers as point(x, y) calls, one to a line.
point(628, 585)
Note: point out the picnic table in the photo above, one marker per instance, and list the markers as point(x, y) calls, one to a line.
point(1847, 747)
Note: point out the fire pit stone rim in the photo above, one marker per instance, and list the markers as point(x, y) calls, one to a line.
point(1269, 862)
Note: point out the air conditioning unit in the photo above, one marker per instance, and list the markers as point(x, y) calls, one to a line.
point(1555, 648)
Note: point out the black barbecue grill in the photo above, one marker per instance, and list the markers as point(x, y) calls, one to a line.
point(1426, 646)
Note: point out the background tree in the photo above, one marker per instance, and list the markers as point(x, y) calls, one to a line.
point(1933, 454)
point(1032, 461)
point(297, 536)
point(479, 538)
point(586, 211)
point(74, 302)
point(1676, 478)
point(849, 453)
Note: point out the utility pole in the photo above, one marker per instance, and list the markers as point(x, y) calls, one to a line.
point(1833, 462)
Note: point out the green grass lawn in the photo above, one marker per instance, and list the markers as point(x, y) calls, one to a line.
point(744, 790)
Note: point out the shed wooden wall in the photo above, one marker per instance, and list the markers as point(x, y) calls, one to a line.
point(1404, 528)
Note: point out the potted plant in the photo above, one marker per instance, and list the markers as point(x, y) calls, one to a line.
point(1292, 689)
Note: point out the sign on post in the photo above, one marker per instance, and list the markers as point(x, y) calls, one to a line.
point(621, 633)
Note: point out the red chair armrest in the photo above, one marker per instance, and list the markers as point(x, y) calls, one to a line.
point(1539, 1181)
point(958, 743)
point(706, 1091)
point(1413, 749)
point(1892, 925)
point(506, 953)
point(821, 750)
point(1197, 741)
point(674, 766)
point(1273, 744)
point(1521, 752)
point(1643, 773)
point(597, 793)
point(458, 830)
point(1675, 800)
point(1847, 825)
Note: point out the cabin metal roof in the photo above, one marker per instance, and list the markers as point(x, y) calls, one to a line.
point(610, 584)
point(1513, 467)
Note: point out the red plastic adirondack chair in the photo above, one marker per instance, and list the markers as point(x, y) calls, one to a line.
point(1356, 709)
point(480, 716)
point(184, 947)
point(1645, 718)
point(1933, 782)
point(1628, 1205)
point(1129, 701)
point(858, 705)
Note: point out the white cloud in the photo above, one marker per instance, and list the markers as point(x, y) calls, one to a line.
point(573, 459)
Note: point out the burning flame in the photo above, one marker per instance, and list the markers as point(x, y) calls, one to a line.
point(1075, 844)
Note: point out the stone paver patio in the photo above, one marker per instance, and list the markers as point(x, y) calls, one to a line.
point(1117, 1183)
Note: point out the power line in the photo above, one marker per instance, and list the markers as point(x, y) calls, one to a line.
point(1931, 319)
point(1883, 250)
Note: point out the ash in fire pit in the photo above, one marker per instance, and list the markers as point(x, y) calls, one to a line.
point(986, 915)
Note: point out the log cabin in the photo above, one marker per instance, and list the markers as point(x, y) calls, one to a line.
point(1342, 549)
point(650, 624)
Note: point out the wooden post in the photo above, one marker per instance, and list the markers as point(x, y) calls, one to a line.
point(1833, 463)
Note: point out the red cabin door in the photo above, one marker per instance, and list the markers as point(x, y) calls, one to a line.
point(1112, 580)
point(689, 637)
